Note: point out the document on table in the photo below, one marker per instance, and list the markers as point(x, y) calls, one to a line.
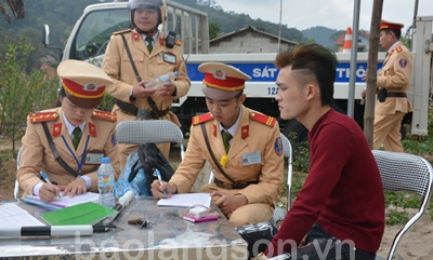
point(13, 216)
point(186, 200)
point(87, 213)
point(65, 201)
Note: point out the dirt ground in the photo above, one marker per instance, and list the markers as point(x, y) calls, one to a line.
point(8, 167)
point(415, 245)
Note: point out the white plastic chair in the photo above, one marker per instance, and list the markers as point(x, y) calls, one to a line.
point(17, 185)
point(405, 172)
point(288, 153)
point(150, 131)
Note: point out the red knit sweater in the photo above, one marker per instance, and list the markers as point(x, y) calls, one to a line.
point(343, 192)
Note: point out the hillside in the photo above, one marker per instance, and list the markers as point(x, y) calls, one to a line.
point(231, 21)
point(323, 35)
point(61, 16)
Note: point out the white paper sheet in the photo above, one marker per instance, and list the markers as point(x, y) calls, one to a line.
point(66, 201)
point(13, 216)
point(186, 200)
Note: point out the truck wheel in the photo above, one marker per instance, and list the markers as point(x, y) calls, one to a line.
point(298, 136)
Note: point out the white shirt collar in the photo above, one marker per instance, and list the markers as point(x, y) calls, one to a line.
point(70, 127)
point(234, 127)
point(155, 36)
point(393, 46)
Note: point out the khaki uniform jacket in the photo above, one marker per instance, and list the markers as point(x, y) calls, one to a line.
point(117, 65)
point(395, 77)
point(258, 137)
point(37, 155)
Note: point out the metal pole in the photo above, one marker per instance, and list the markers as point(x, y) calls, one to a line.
point(415, 13)
point(279, 26)
point(353, 59)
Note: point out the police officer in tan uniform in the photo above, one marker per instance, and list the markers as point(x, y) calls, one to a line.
point(67, 143)
point(393, 83)
point(153, 55)
point(244, 148)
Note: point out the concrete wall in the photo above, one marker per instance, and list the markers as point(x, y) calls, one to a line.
point(247, 42)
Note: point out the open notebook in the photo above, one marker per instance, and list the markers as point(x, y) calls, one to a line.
point(186, 200)
point(64, 201)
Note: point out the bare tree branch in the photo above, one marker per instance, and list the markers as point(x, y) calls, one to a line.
point(5, 14)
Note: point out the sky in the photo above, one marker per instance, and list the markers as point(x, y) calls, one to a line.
point(334, 14)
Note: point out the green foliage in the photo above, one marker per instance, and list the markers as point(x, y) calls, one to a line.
point(396, 218)
point(214, 30)
point(21, 92)
point(402, 199)
point(107, 103)
point(414, 145)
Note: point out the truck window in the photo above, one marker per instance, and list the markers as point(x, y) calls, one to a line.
point(95, 31)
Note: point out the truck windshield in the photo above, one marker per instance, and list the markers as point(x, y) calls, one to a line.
point(95, 31)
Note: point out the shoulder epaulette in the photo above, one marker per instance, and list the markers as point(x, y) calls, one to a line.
point(122, 31)
point(264, 119)
point(399, 49)
point(201, 118)
point(105, 115)
point(178, 42)
point(39, 117)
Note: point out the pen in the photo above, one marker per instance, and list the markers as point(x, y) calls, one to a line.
point(45, 177)
point(158, 174)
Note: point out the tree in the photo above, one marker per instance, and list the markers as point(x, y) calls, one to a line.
point(214, 30)
point(17, 7)
point(371, 71)
point(21, 92)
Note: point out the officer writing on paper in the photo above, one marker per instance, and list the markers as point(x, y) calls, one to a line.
point(243, 146)
point(137, 56)
point(393, 82)
point(67, 143)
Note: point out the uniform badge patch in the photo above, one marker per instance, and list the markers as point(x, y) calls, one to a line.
point(219, 74)
point(278, 146)
point(91, 87)
point(403, 63)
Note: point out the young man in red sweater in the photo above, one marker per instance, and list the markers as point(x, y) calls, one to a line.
point(339, 211)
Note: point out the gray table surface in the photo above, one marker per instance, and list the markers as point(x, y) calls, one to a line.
point(168, 236)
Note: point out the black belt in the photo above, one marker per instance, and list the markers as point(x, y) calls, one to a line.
point(138, 112)
point(396, 94)
point(238, 185)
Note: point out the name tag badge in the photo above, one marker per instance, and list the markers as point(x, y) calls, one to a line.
point(170, 58)
point(93, 158)
point(251, 158)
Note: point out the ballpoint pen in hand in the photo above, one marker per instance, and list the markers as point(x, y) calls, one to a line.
point(45, 177)
point(158, 174)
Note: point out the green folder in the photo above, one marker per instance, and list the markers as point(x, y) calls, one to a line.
point(87, 213)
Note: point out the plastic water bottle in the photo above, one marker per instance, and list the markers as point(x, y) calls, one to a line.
point(106, 183)
point(158, 82)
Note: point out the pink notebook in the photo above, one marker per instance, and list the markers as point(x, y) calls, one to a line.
point(202, 219)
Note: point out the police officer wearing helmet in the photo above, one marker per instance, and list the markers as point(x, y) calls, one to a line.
point(152, 56)
point(67, 143)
